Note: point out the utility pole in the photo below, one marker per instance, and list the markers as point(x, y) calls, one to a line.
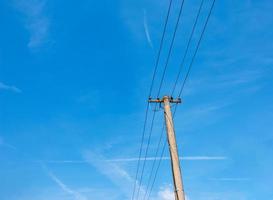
point(176, 172)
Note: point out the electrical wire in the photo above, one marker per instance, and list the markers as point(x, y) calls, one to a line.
point(140, 151)
point(154, 161)
point(161, 46)
point(146, 153)
point(183, 85)
point(187, 48)
point(174, 87)
point(171, 47)
point(196, 50)
point(160, 86)
point(150, 92)
point(158, 166)
point(162, 79)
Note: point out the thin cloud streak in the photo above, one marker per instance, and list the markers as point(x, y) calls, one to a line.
point(112, 171)
point(189, 158)
point(229, 179)
point(168, 158)
point(36, 21)
point(165, 194)
point(11, 88)
point(66, 189)
point(241, 79)
point(63, 161)
point(146, 29)
point(4, 144)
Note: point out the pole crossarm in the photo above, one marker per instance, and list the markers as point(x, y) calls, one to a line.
point(170, 99)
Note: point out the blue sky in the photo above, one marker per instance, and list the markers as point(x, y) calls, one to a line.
point(74, 78)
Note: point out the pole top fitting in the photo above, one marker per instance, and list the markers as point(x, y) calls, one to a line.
point(166, 97)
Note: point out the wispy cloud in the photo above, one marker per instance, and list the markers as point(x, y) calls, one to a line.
point(165, 193)
point(76, 195)
point(146, 29)
point(242, 80)
point(241, 77)
point(168, 158)
point(63, 161)
point(11, 88)
point(4, 144)
point(116, 160)
point(115, 173)
point(36, 21)
point(229, 179)
point(120, 177)
point(197, 114)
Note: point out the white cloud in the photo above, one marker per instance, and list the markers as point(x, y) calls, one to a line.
point(36, 21)
point(4, 144)
point(62, 161)
point(11, 88)
point(229, 179)
point(168, 158)
point(196, 115)
point(240, 79)
point(146, 29)
point(76, 195)
point(115, 173)
point(116, 160)
point(132, 15)
point(166, 194)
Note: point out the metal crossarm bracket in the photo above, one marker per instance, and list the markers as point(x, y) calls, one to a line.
point(171, 100)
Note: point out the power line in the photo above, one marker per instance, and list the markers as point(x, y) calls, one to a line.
point(182, 63)
point(146, 153)
point(161, 82)
point(187, 48)
point(156, 172)
point(187, 75)
point(197, 48)
point(141, 146)
point(154, 161)
point(150, 91)
point(161, 46)
point(171, 47)
point(195, 52)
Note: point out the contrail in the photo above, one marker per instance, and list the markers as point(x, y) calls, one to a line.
point(66, 189)
point(229, 179)
point(168, 158)
point(73, 193)
point(190, 158)
point(147, 33)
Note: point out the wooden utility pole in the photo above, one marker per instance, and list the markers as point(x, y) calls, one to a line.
point(176, 172)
